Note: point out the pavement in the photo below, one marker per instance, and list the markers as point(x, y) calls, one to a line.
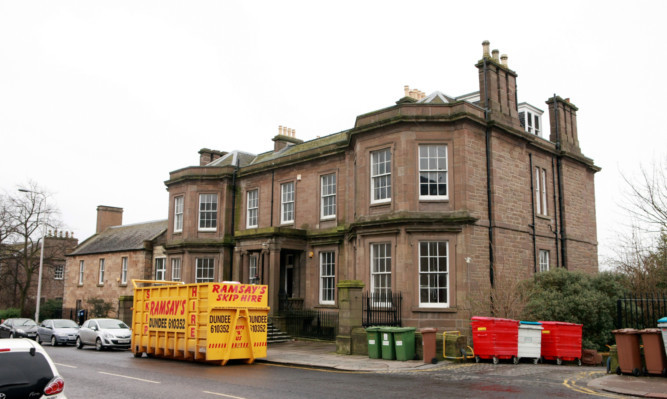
point(322, 354)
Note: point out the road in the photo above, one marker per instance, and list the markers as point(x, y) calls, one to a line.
point(117, 374)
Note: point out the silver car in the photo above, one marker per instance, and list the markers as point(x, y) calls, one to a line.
point(104, 333)
point(58, 331)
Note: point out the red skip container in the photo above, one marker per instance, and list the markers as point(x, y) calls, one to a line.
point(495, 338)
point(561, 341)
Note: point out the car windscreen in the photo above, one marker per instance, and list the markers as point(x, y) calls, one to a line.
point(64, 324)
point(112, 324)
point(24, 322)
point(23, 375)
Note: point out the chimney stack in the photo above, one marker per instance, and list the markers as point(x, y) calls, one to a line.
point(497, 87)
point(286, 136)
point(563, 121)
point(207, 156)
point(108, 216)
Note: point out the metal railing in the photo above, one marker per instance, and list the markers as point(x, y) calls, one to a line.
point(381, 309)
point(286, 304)
point(640, 311)
point(319, 324)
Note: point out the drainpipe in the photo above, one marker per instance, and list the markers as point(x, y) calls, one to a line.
point(487, 117)
point(559, 173)
point(231, 258)
point(553, 190)
point(273, 175)
point(532, 210)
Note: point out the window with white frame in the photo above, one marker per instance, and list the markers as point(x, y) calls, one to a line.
point(176, 269)
point(328, 192)
point(433, 171)
point(327, 278)
point(381, 176)
point(530, 118)
point(205, 270)
point(253, 276)
point(80, 272)
point(59, 271)
point(544, 260)
point(287, 203)
point(178, 214)
point(541, 191)
point(123, 270)
point(433, 274)
point(208, 211)
point(100, 280)
point(381, 272)
point(253, 208)
point(160, 269)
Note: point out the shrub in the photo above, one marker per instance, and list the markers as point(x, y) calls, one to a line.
point(100, 307)
point(9, 313)
point(51, 309)
point(574, 297)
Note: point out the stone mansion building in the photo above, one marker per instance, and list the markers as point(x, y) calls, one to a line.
point(436, 197)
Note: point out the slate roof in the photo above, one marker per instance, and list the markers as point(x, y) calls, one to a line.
point(243, 158)
point(335, 138)
point(130, 237)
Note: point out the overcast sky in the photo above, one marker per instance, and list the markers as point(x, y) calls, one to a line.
point(100, 100)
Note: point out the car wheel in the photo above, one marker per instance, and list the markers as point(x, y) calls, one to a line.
point(53, 341)
point(79, 343)
point(98, 345)
point(11, 335)
point(38, 339)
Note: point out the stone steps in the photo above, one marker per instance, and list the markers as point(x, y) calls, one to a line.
point(274, 335)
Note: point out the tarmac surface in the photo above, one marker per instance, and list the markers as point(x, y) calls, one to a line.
point(322, 354)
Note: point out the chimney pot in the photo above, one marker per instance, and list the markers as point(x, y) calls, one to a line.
point(503, 60)
point(495, 53)
point(485, 48)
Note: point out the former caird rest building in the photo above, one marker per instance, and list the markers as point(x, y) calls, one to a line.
point(436, 197)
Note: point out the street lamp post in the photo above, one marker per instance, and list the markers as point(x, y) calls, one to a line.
point(41, 264)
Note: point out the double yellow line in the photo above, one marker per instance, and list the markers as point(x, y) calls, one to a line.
point(571, 383)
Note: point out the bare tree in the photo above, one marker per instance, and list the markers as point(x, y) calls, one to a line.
point(27, 216)
point(644, 265)
point(646, 200)
point(641, 255)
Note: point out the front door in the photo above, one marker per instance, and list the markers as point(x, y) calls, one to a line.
point(289, 275)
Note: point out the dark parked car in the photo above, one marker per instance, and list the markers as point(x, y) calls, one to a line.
point(18, 328)
point(58, 331)
point(26, 371)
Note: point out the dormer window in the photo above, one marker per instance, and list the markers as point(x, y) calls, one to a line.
point(531, 119)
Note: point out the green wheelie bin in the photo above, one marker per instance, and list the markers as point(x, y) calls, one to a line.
point(374, 347)
point(404, 341)
point(387, 339)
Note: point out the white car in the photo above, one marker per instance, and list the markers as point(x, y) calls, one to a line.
point(27, 371)
point(104, 333)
